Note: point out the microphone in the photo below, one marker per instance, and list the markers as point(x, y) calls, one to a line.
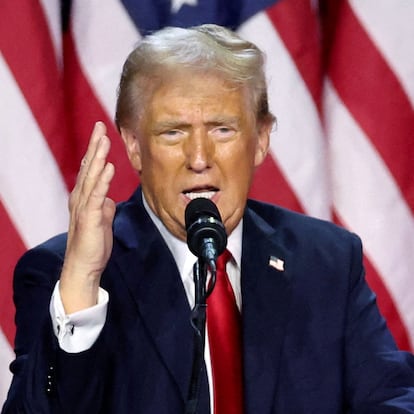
point(206, 239)
point(206, 235)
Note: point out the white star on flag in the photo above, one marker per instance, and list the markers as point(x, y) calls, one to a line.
point(177, 4)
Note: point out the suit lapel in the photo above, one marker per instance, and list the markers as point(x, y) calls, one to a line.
point(266, 301)
point(150, 272)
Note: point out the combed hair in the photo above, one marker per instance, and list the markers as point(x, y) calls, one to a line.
point(208, 48)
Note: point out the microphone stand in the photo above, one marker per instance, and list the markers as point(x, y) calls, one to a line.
point(198, 322)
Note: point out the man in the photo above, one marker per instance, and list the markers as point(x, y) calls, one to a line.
point(192, 111)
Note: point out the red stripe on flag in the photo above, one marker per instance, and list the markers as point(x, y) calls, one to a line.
point(84, 110)
point(11, 248)
point(270, 185)
point(27, 47)
point(298, 27)
point(368, 86)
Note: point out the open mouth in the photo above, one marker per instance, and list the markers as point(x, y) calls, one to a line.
point(204, 193)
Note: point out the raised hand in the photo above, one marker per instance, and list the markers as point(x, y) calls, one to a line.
point(90, 236)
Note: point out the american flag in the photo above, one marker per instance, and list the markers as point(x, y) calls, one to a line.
point(341, 82)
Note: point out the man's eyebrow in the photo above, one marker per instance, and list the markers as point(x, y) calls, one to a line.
point(173, 123)
point(224, 120)
point(179, 123)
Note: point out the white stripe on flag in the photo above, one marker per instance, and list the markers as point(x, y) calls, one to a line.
point(368, 201)
point(390, 26)
point(101, 47)
point(52, 12)
point(32, 188)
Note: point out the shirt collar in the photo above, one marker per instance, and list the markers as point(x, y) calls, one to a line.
point(180, 251)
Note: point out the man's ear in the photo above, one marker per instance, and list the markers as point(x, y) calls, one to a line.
point(263, 142)
point(133, 148)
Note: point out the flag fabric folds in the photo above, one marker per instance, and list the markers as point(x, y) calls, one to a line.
point(341, 84)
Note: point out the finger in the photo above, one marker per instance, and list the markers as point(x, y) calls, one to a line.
point(96, 167)
point(98, 131)
point(97, 208)
point(99, 193)
point(76, 195)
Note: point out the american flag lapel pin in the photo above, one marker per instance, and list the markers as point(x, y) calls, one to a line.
point(277, 263)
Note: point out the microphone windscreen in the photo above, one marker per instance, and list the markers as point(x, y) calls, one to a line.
point(200, 207)
point(203, 223)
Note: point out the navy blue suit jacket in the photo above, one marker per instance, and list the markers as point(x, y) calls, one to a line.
point(314, 341)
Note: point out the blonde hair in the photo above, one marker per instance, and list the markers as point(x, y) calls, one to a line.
point(209, 48)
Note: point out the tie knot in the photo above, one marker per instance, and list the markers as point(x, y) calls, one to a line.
point(222, 260)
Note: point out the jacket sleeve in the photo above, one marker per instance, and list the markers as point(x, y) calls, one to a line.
point(379, 378)
point(45, 378)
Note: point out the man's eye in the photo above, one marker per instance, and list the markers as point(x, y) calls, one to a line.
point(223, 132)
point(172, 135)
point(172, 132)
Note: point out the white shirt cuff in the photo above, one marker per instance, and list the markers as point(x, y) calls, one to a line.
point(78, 331)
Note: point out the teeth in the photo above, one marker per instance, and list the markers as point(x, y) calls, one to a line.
point(204, 194)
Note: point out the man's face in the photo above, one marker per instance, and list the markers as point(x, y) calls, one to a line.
point(197, 137)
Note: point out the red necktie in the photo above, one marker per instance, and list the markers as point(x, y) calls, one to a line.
point(224, 334)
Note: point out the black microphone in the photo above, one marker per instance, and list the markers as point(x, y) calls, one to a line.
point(206, 235)
point(207, 239)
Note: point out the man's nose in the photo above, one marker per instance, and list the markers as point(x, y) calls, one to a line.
point(199, 152)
